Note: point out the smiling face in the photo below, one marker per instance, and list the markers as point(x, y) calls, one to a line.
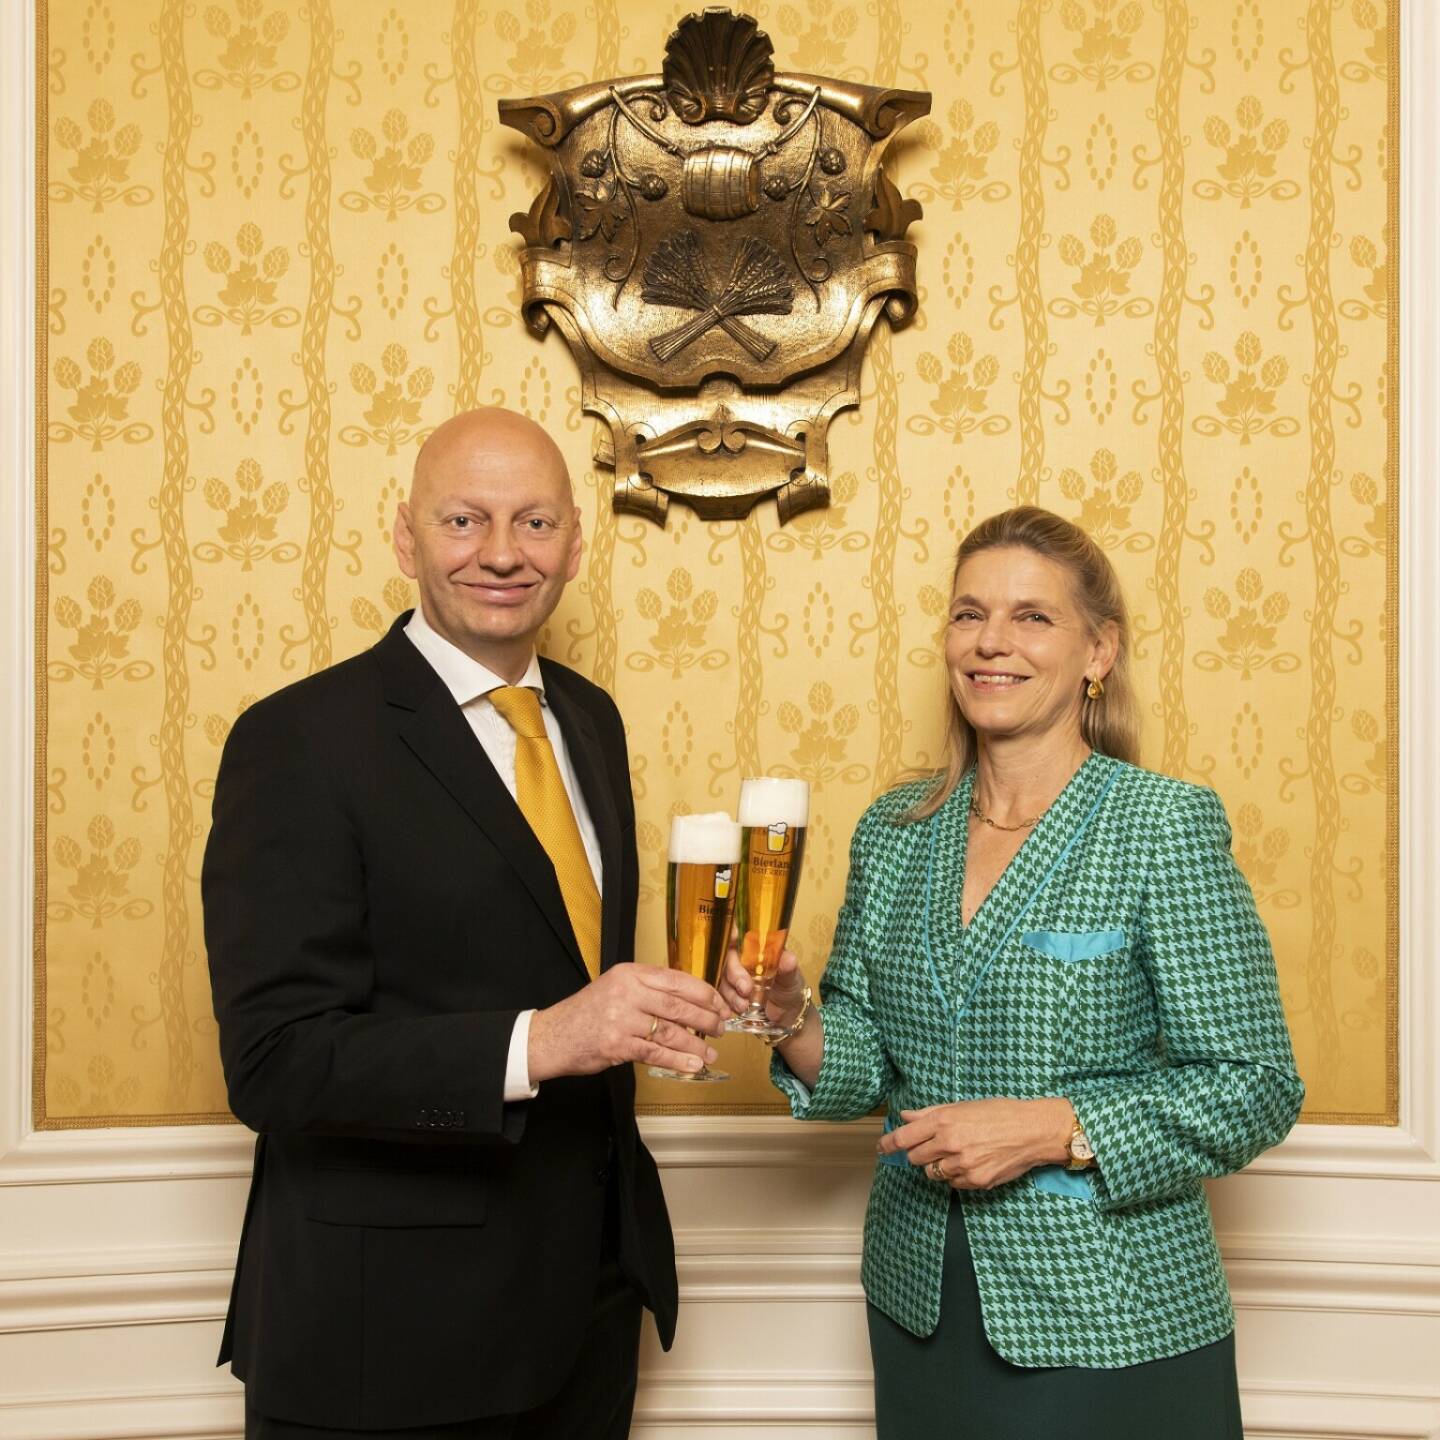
point(491, 534)
point(1018, 648)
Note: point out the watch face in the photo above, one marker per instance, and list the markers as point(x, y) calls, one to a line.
point(1081, 1148)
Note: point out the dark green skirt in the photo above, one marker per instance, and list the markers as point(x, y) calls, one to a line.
point(953, 1386)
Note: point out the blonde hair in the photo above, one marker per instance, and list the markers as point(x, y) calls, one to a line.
point(1109, 725)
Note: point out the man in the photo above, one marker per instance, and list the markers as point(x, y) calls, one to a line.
point(420, 894)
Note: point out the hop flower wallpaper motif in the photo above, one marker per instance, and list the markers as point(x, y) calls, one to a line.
point(1158, 296)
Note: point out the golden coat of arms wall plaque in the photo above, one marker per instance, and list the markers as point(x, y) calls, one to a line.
point(716, 243)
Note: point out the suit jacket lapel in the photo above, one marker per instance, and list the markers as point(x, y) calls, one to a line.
point(587, 761)
point(946, 853)
point(441, 739)
point(1030, 866)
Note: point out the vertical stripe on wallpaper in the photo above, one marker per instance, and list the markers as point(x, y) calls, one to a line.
point(1171, 458)
point(39, 1094)
point(180, 1060)
point(886, 476)
point(471, 104)
point(1320, 526)
point(747, 650)
point(1027, 252)
point(600, 573)
point(1392, 573)
point(316, 330)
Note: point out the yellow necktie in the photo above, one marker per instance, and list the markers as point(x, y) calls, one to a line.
point(543, 801)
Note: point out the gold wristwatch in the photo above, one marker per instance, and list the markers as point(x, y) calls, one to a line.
point(1082, 1152)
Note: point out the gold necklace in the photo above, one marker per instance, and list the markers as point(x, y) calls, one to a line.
point(979, 814)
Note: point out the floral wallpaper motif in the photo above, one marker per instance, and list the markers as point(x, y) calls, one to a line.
point(1158, 268)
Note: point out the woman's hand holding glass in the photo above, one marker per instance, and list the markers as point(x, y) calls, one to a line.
point(784, 1004)
point(784, 996)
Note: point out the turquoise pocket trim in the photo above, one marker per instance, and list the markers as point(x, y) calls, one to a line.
point(1076, 944)
point(898, 1159)
point(1057, 1180)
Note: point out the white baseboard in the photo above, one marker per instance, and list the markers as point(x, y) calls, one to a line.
point(186, 1283)
point(197, 1413)
point(152, 1286)
point(1279, 1412)
point(674, 1403)
point(161, 1285)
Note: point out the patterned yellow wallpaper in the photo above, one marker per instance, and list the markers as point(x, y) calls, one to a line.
point(1158, 294)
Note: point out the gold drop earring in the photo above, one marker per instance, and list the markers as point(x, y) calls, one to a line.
point(1096, 688)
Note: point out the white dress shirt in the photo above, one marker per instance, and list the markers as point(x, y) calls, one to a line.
point(470, 683)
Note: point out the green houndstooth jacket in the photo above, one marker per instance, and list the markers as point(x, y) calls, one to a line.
point(1120, 962)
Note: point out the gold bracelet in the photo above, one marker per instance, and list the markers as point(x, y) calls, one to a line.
point(798, 1026)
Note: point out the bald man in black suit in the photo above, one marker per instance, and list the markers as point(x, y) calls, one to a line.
point(453, 1224)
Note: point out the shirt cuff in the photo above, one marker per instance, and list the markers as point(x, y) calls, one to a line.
point(517, 1063)
point(790, 1085)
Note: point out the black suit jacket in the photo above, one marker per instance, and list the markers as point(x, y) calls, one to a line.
point(377, 912)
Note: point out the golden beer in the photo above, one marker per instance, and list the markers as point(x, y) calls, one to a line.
point(768, 883)
point(774, 815)
point(699, 900)
point(699, 905)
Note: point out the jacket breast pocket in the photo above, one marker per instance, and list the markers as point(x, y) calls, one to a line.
point(395, 1198)
point(1099, 995)
point(1075, 945)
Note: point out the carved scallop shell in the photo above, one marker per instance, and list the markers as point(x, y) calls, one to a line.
point(718, 66)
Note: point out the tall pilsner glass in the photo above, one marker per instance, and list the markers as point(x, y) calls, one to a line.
point(773, 816)
point(699, 906)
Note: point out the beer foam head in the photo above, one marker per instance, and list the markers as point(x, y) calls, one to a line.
point(770, 801)
point(710, 839)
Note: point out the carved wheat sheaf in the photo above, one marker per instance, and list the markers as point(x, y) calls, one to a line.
point(676, 275)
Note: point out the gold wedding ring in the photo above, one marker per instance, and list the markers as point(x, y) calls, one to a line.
point(654, 1026)
point(936, 1170)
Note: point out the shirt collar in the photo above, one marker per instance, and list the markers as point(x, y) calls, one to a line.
point(466, 679)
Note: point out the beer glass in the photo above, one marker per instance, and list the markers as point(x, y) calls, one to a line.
point(773, 817)
point(699, 905)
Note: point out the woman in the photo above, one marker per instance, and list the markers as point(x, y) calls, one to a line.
point(1051, 972)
